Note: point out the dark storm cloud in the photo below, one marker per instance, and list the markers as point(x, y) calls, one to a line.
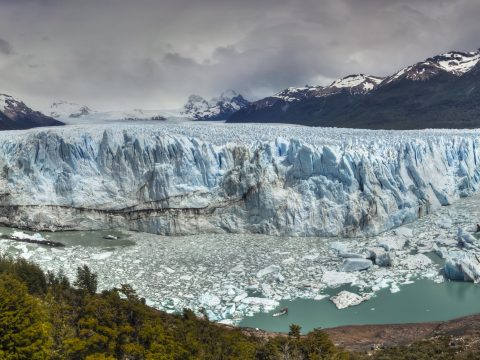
point(148, 53)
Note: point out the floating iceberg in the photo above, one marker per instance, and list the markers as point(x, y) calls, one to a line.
point(355, 264)
point(460, 266)
point(346, 299)
point(23, 236)
point(268, 270)
point(465, 239)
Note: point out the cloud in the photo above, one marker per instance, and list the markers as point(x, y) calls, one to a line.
point(147, 53)
point(5, 47)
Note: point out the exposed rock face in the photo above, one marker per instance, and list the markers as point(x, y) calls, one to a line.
point(164, 182)
point(14, 114)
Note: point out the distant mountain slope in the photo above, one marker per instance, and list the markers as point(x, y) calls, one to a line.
point(220, 108)
point(71, 112)
point(441, 92)
point(68, 110)
point(14, 114)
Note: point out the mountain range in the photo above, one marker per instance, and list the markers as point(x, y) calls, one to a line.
point(71, 112)
point(440, 92)
point(221, 108)
point(196, 108)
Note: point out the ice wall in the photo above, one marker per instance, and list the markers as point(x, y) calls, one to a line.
point(184, 180)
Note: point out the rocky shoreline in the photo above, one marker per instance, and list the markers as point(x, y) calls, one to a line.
point(370, 337)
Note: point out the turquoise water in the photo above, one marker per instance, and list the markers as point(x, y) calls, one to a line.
point(419, 302)
point(94, 238)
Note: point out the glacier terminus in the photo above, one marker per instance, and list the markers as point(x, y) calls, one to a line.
point(185, 179)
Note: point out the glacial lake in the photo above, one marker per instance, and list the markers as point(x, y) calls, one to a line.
point(422, 301)
point(92, 238)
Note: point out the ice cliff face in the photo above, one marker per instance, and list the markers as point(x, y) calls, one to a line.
point(187, 179)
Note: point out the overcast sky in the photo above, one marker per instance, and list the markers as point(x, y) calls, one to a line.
point(120, 54)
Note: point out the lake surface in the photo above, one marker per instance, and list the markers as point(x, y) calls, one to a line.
point(422, 301)
point(94, 238)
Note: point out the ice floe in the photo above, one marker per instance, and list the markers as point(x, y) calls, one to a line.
point(346, 299)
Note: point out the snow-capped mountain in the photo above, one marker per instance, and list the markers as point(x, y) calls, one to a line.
point(354, 84)
point(14, 114)
point(71, 112)
point(455, 63)
point(220, 108)
point(68, 110)
point(441, 91)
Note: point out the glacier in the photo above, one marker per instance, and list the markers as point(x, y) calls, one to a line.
point(184, 178)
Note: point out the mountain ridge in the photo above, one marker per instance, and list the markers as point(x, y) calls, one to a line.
point(14, 115)
point(438, 92)
point(218, 108)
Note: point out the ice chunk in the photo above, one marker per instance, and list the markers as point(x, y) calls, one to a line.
point(460, 266)
point(269, 303)
point(465, 239)
point(288, 261)
point(102, 256)
point(311, 256)
point(240, 297)
point(380, 257)
point(268, 270)
point(337, 278)
point(394, 288)
point(209, 300)
point(444, 223)
point(396, 243)
point(23, 236)
point(416, 262)
point(339, 247)
point(354, 264)
point(444, 241)
point(351, 255)
point(403, 231)
point(346, 299)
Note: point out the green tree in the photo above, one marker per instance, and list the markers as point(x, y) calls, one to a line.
point(317, 345)
point(24, 330)
point(86, 280)
point(295, 331)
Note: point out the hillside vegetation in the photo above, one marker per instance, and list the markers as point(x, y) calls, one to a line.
point(43, 316)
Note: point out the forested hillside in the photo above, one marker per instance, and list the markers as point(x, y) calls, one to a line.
point(43, 316)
